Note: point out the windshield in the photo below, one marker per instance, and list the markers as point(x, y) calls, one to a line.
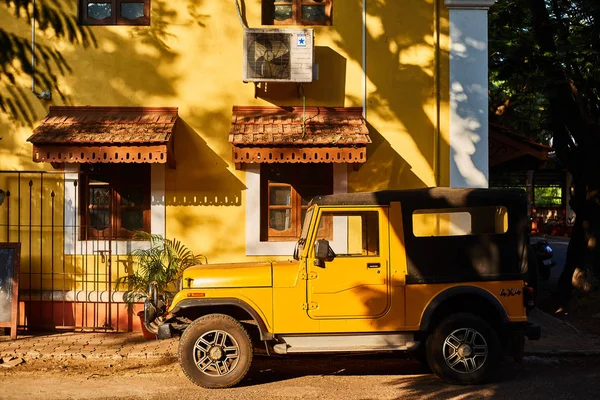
point(305, 226)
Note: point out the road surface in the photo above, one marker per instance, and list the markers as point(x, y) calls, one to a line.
point(381, 376)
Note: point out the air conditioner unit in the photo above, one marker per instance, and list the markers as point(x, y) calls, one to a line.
point(278, 55)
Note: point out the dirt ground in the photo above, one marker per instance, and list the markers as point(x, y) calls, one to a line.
point(380, 376)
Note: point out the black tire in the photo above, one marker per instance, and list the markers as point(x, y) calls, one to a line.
point(469, 367)
point(219, 365)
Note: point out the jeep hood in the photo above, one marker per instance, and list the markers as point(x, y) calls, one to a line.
point(256, 274)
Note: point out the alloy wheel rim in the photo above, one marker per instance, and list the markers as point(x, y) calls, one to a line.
point(465, 350)
point(216, 353)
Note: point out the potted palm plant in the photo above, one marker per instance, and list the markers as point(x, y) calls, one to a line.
point(160, 265)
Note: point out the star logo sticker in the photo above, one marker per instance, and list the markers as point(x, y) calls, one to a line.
point(301, 40)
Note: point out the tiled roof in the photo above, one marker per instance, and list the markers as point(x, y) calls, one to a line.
point(506, 145)
point(496, 128)
point(281, 126)
point(106, 126)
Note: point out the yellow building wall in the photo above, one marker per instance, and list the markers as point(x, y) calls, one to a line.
point(191, 57)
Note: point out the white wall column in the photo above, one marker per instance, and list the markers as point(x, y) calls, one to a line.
point(469, 159)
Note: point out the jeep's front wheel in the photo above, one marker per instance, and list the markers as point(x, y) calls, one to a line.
point(463, 349)
point(215, 351)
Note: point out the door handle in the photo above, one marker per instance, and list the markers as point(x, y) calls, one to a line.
point(373, 265)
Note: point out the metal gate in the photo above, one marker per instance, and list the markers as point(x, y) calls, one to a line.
point(66, 281)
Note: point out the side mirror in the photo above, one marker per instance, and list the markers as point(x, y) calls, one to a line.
point(322, 249)
point(323, 252)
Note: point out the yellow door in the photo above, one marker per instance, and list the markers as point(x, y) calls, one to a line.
point(354, 284)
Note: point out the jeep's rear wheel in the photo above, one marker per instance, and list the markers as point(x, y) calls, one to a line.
point(215, 351)
point(463, 349)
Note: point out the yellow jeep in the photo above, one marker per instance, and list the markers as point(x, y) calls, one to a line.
point(440, 273)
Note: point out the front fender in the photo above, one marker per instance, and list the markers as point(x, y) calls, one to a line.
point(187, 304)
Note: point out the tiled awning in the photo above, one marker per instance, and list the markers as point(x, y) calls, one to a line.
point(278, 135)
point(512, 150)
point(105, 135)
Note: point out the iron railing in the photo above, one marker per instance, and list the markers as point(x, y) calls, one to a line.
point(66, 282)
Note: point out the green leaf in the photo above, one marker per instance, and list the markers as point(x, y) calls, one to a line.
point(163, 262)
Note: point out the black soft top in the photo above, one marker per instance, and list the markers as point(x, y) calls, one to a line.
point(455, 258)
point(427, 198)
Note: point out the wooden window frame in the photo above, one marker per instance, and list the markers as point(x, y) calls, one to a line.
point(268, 17)
point(268, 234)
point(115, 18)
point(118, 179)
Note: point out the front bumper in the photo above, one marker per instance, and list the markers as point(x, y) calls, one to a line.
point(165, 331)
point(152, 316)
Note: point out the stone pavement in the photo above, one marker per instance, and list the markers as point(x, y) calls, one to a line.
point(92, 345)
point(558, 338)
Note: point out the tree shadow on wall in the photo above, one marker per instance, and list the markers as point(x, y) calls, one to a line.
point(131, 69)
point(202, 177)
point(119, 71)
point(401, 74)
point(197, 17)
point(127, 70)
point(328, 91)
point(385, 168)
point(59, 19)
point(158, 34)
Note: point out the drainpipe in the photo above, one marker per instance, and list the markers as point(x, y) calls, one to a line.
point(364, 56)
point(438, 98)
point(45, 95)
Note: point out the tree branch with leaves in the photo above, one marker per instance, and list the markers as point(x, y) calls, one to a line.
point(57, 19)
point(544, 57)
point(162, 262)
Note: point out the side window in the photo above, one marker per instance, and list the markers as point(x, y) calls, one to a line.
point(114, 12)
point(360, 234)
point(286, 190)
point(460, 221)
point(114, 200)
point(297, 12)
